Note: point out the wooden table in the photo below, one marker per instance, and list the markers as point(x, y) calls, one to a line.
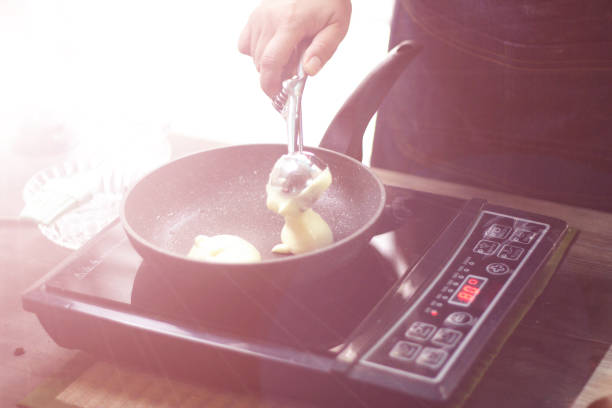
point(559, 356)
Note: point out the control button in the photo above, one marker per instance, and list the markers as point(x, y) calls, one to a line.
point(498, 231)
point(523, 236)
point(460, 319)
point(404, 351)
point(446, 337)
point(510, 252)
point(420, 331)
point(431, 357)
point(486, 247)
point(497, 268)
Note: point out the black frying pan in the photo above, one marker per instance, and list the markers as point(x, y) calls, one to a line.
point(222, 191)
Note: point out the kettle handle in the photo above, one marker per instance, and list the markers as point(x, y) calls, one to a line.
point(345, 132)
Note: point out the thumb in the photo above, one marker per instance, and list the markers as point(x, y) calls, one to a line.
point(322, 47)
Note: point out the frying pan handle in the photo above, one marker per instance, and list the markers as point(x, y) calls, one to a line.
point(345, 133)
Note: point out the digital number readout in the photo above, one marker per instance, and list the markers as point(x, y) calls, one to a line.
point(468, 291)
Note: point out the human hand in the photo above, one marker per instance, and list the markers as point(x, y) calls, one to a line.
point(604, 402)
point(276, 28)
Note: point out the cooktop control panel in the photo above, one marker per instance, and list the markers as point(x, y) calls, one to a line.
point(429, 338)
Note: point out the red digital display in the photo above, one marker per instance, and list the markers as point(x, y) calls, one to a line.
point(468, 290)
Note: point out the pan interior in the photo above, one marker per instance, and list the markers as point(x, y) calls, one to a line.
point(222, 191)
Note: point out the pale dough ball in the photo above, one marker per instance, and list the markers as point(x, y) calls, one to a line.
point(223, 248)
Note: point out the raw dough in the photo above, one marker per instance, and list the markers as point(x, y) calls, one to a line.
point(223, 248)
point(304, 229)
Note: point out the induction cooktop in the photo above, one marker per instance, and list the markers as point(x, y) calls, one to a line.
point(415, 317)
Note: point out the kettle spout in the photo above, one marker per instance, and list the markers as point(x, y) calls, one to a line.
point(345, 132)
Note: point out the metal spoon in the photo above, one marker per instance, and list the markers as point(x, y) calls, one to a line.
point(296, 170)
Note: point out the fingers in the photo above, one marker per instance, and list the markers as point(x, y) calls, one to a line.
point(322, 47)
point(271, 51)
point(277, 27)
point(244, 42)
point(274, 59)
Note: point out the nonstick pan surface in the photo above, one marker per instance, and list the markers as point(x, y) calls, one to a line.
point(222, 191)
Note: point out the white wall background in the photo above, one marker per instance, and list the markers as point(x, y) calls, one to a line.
point(89, 65)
